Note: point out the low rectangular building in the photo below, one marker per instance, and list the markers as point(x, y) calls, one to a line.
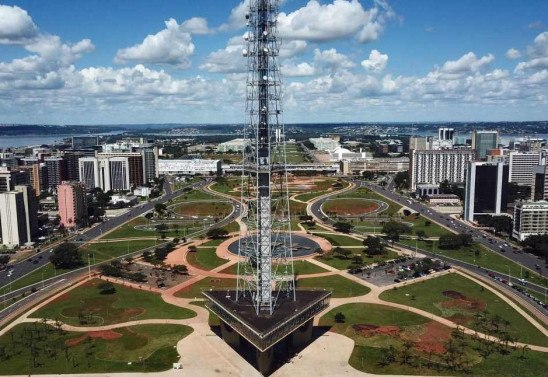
point(198, 166)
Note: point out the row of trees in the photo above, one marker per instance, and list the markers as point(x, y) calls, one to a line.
point(455, 241)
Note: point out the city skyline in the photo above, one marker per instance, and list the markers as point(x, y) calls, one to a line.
point(138, 62)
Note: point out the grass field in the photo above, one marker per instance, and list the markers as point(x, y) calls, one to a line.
point(107, 250)
point(300, 267)
point(195, 290)
point(38, 349)
point(375, 328)
point(214, 208)
point(429, 295)
point(340, 240)
point(205, 259)
point(341, 263)
point(126, 304)
point(349, 207)
point(485, 258)
point(228, 186)
point(340, 286)
point(365, 193)
point(192, 195)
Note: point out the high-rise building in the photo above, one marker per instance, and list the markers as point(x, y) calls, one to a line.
point(484, 141)
point(486, 189)
point(521, 166)
point(446, 133)
point(149, 158)
point(135, 169)
point(84, 142)
point(31, 209)
point(13, 219)
point(420, 143)
point(530, 218)
point(9, 178)
point(37, 174)
point(56, 168)
point(539, 183)
point(436, 166)
point(72, 157)
point(115, 173)
point(71, 197)
point(89, 172)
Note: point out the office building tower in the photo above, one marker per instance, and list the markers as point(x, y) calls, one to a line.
point(114, 173)
point(446, 133)
point(149, 158)
point(84, 142)
point(419, 143)
point(486, 189)
point(13, 219)
point(9, 178)
point(484, 141)
point(31, 209)
point(436, 166)
point(36, 174)
point(56, 168)
point(71, 197)
point(530, 218)
point(539, 183)
point(72, 157)
point(522, 164)
point(134, 165)
point(89, 172)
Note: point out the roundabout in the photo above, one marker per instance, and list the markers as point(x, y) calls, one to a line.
point(302, 246)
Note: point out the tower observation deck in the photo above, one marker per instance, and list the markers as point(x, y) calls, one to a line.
point(265, 306)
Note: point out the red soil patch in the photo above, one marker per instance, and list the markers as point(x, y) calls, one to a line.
point(351, 207)
point(432, 339)
point(371, 330)
point(460, 301)
point(103, 334)
point(132, 312)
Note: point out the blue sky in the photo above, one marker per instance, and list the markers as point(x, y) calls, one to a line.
point(342, 60)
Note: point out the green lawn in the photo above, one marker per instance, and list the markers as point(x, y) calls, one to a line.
point(300, 267)
point(195, 290)
point(342, 263)
point(340, 240)
point(126, 304)
point(228, 187)
point(144, 348)
point(212, 243)
point(192, 195)
point(485, 258)
point(370, 349)
point(340, 286)
point(365, 193)
point(205, 259)
point(107, 250)
point(232, 227)
point(128, 230)
point(428, 295)
point(214, 208)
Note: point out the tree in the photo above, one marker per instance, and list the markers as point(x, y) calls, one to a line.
point(343, 227)
point(421, 234)
point(180, 269)
point(394, 229)
point(401, 180)
point(373, 246)
point(160, 208)
point(4, 259)
point(217, 233)
point(340, 317)
point(106, 288)
point(66, 256)
point(344, 253)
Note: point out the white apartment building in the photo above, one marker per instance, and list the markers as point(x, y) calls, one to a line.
point(522, 165)
point(530, 218)
point(13, 219)
point(190, 166)
point(236, 145)
point(436, 166)
point(108, 173)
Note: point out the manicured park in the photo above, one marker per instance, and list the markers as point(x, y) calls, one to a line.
point(340, 286)
point(203, 208)
point(397, 342)
point(465, 302)
point(86, 305)
point(36, 348)
point(205, 258)
point(107, 250)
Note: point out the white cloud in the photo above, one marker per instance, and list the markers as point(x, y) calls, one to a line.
point(512, 53)
point(376, 62)
point(195, 25)
point(291, 69)
point(172, 46)
point(236, 20)
point(227, 60)
point(332, 60)
point(340, 19)
point(467, 63)
point(537, 54)
point(16, 26)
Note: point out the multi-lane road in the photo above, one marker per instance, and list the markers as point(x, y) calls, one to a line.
point(40, 259)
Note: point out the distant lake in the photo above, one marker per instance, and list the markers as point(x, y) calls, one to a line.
point(33, 140)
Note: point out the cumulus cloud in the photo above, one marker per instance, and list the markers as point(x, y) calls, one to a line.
point(467, 63)
point(16, 26)
point(332, 60)
point(195, 25)
point(537, 55)
point(227, 60)
point(236, 20)
point(291, 69)
point(512, 53)
point(376, 62)
point(172, 46)
point(340, 19)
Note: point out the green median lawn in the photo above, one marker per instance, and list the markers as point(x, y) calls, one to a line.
point(340, 286)
point(107, 250)
point(342, 263)
point(127, 304)
point(39, 349)
point(340, 240)
point(442, 296)
point(205, 258)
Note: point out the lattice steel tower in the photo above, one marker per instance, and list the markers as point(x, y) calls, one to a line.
point(265, 269)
